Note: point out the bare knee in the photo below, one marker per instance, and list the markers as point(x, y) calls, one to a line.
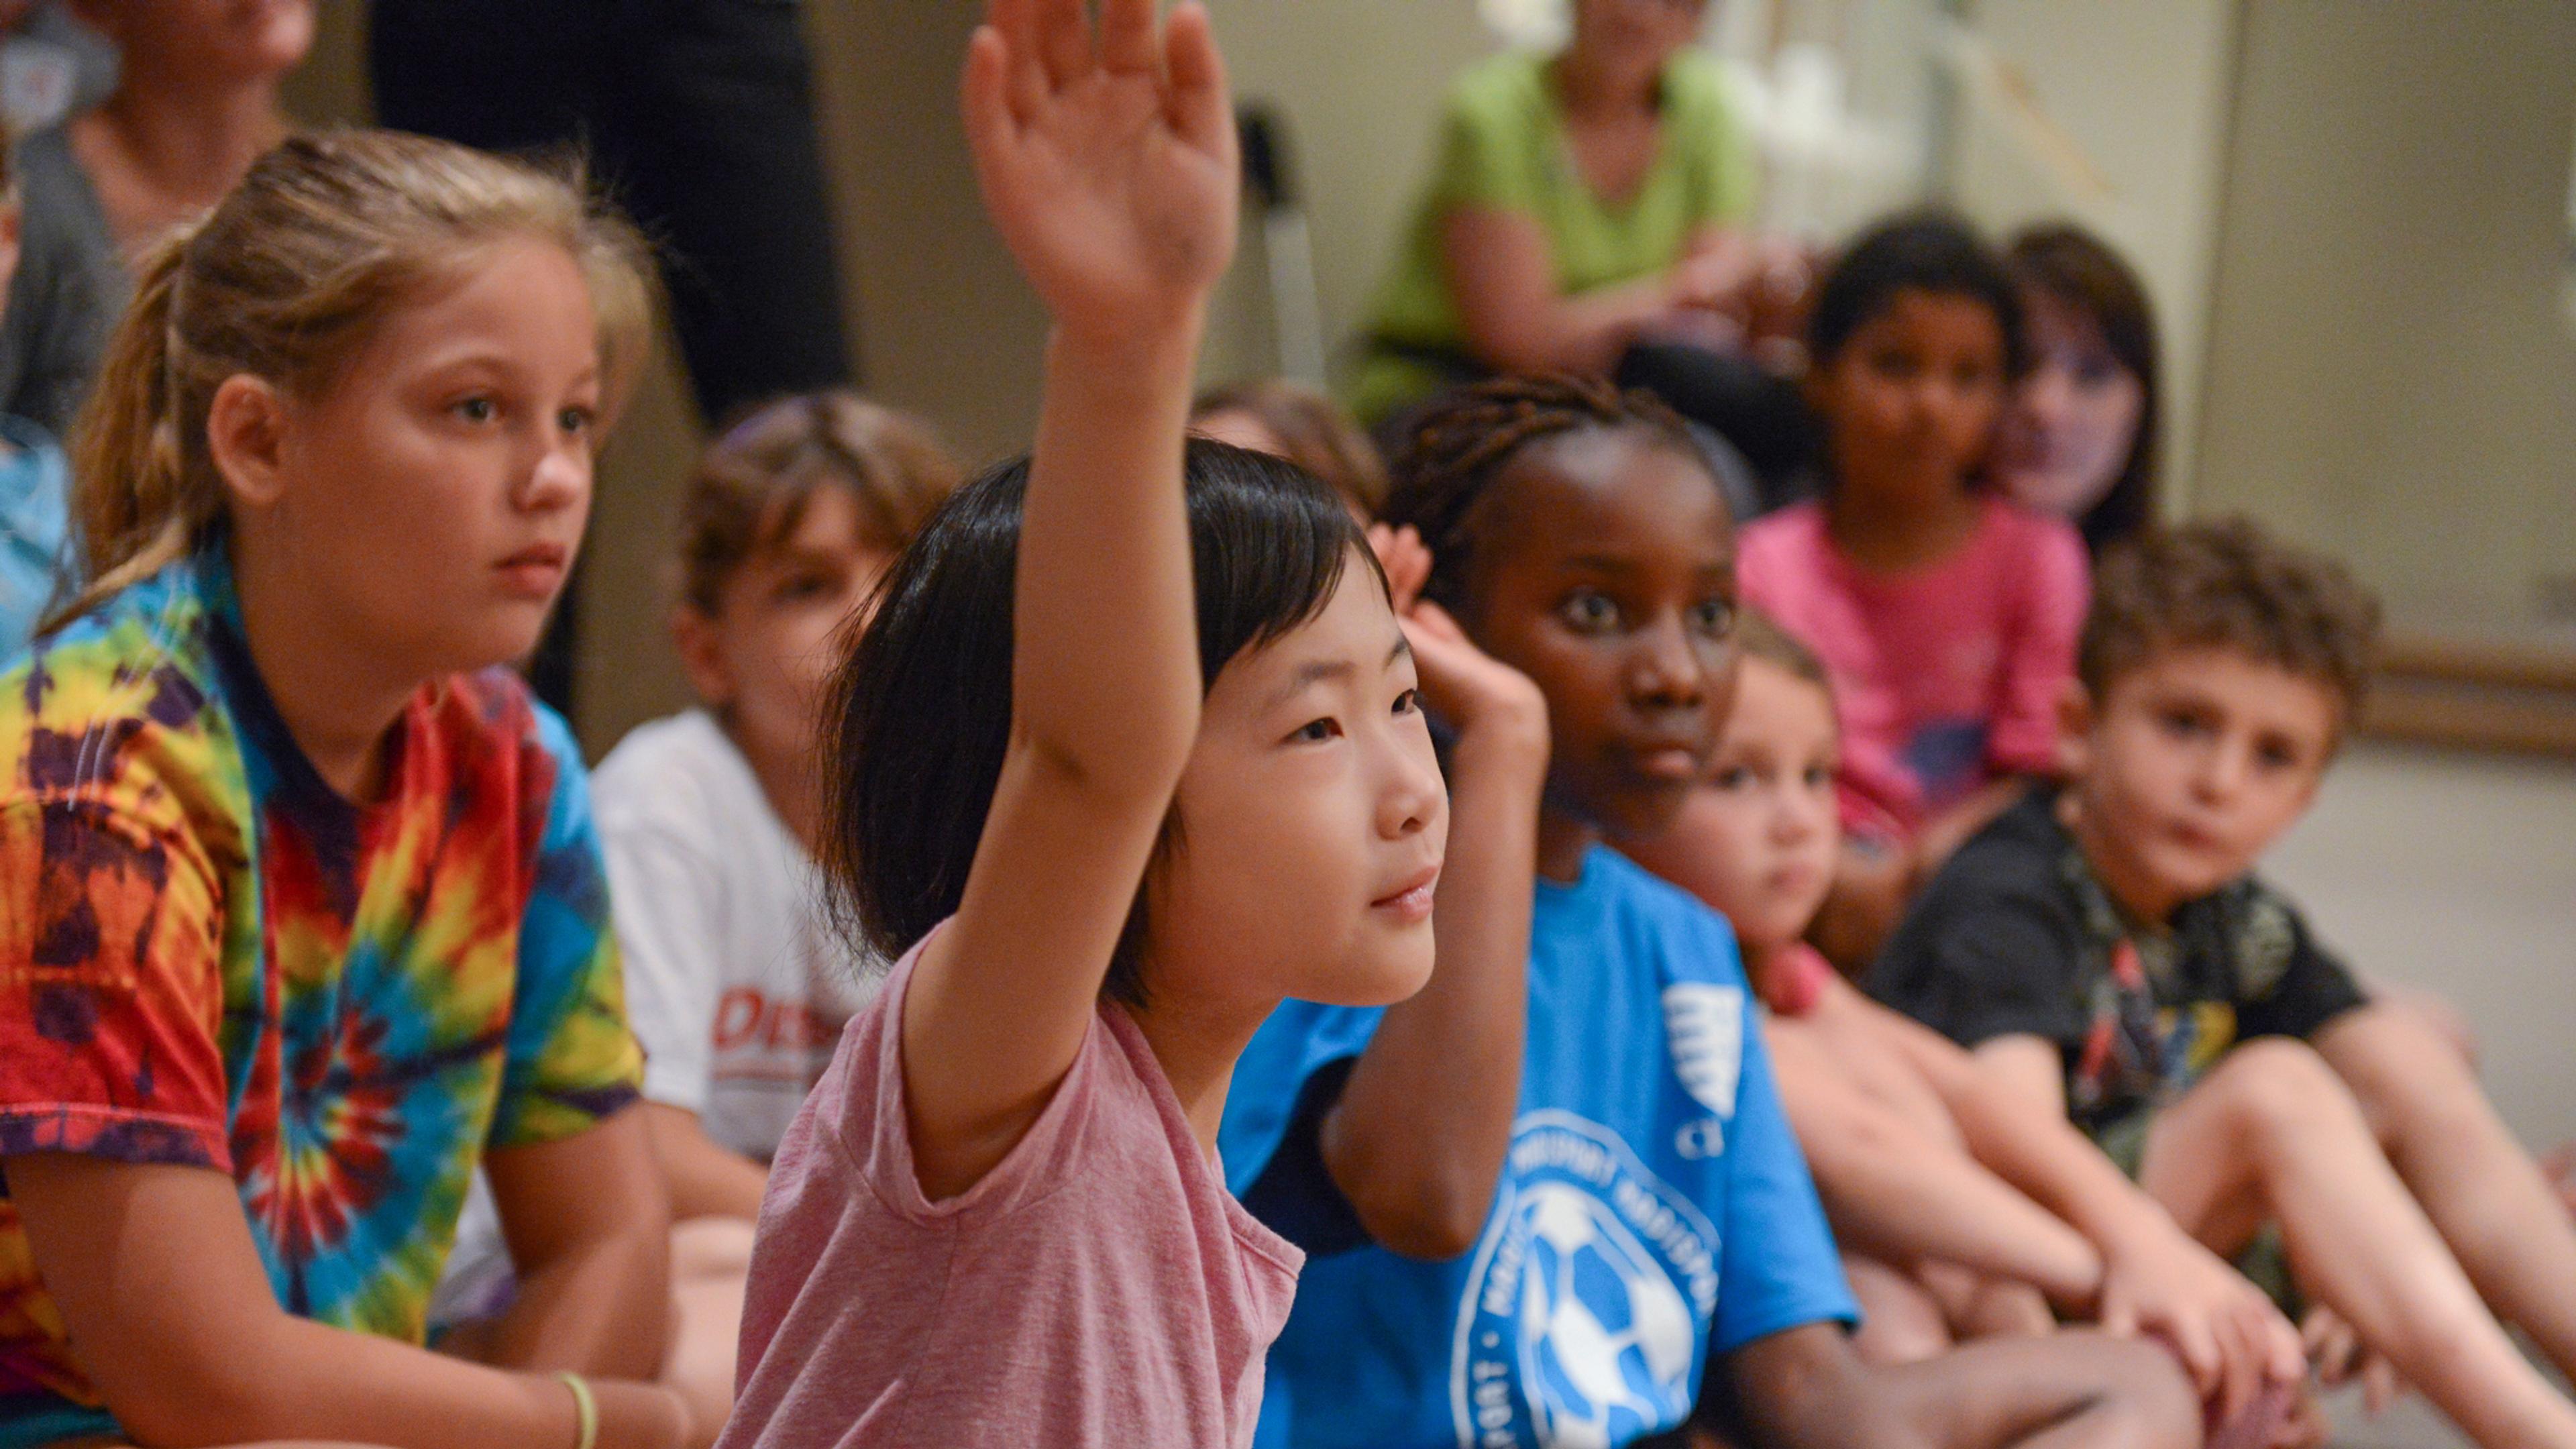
point(2277, 1090)
point(711, 1247)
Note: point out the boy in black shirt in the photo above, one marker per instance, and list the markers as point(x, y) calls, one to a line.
point(2104, 946)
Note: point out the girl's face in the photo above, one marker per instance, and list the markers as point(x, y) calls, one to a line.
point(762, 659)
point(247, 39)
point(430, 502)
point(1607, 575)
point(1311, 818)
point(1757, 841)
point(2074, 419)
point(1911, 400)
point(1636, 34)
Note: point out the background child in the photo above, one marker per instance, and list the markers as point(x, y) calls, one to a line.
point(35, 514)
point(301, 911)
point(1272, 415)
point(735, 982)
point(2079, 439)
point(1114, 825)
point(2105, 950)
point(1933, 1176)
point(1651, 1216)
point(1946, 616)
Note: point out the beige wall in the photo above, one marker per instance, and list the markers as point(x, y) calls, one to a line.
point(2392, 373)
point(2142, 88)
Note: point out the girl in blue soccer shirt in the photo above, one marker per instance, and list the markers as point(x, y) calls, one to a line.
point(1554, 1254)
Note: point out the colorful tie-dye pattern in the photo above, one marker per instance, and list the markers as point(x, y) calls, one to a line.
point(208, 958)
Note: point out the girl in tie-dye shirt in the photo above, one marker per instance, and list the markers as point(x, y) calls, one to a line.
point(302, 916)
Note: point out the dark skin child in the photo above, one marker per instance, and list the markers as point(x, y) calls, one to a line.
point(1605, 573)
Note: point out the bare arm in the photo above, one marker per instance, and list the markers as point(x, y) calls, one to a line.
point(590, 1231)
point(2009, 1098)
point(1804, 1389)
point(1896, 1193)
point(1107, 162)
point(160, 1285)
point(706, 1179)
point(1504, 282)
point(1416, 1143)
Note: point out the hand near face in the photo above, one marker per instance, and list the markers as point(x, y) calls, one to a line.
point(1463, 683)
point(1106, 156)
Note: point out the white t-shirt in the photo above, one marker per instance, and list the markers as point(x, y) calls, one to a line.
point(735, 984)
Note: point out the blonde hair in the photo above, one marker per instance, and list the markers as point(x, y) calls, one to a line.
point(754, 481)
point(286, 279)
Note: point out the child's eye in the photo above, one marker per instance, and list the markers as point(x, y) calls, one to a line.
point(575, 420)
point(2096, 370)
point(477, 409)
point(1714, 617)
point(1409, 702)
point(1316, 731)
point(2276, 754)
point(1819, 777)
point(806, 586)
point(1893, 363)
point(2183, 723)
point(1731, 777)
point(1588, 612)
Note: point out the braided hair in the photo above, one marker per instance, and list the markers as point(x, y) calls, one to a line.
point(1464, 440)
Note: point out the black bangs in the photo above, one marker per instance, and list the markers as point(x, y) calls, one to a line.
point(918, 717)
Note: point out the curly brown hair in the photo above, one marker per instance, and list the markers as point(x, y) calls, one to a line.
point(1313, 433)
point(1462, 442)
point(2226, 583)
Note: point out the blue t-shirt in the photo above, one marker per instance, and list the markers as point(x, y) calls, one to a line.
point(1653, 1209)
point(34, 526)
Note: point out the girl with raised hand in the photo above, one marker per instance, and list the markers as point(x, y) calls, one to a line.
point(302, 915)
point(1129, 753)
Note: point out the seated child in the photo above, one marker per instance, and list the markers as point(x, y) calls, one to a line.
point(1962, 1210)
point(1289, 420)
point(735, 983)
point(1543, 1210)
point(2104, 949)
point(1945, 615)
point(35, 499)
point(1129, 753)
point(303, 920)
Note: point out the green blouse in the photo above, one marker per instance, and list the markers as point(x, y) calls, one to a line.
point(1503, 146)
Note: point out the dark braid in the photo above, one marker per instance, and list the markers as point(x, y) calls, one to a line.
point(1462, 441)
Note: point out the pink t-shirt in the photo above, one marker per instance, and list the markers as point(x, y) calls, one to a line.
point(1947, 677)
point(1098, 1288)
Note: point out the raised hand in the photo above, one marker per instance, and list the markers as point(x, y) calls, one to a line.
point(1106, 157)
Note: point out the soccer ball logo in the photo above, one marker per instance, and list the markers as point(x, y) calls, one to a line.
point(1605, 1334)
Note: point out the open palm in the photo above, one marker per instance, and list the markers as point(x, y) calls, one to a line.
point(1107, 155)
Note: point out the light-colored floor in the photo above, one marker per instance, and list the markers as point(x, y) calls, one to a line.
point(2455, 873)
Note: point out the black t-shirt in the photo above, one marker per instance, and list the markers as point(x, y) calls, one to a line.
point(2015, 935)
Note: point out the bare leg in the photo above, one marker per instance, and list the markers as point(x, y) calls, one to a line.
point(1899, 1320)
point(1979, 1306)
point(2272, 1132)
point(710, 1257)
point(2482, 1191)
point(2072, 1390)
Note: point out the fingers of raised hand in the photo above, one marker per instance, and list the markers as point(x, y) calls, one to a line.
point(1195, 97)
point(1128, 45)
point(1063, 40)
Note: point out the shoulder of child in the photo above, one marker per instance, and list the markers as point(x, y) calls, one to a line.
point(665, 773)
point(1701, 940)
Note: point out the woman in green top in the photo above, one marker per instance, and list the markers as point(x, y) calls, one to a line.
point(1583, 204)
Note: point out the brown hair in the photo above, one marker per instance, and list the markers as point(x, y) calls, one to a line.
point(286, 279)
point(753, 483)
point(1759, 636)
point(2078, 269)
point(2228, 584)
point(1461, 443)
point(1313, 433)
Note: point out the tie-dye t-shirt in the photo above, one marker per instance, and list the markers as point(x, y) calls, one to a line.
point(208, 958)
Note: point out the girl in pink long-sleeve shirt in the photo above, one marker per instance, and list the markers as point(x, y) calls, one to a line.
point(1946, 616)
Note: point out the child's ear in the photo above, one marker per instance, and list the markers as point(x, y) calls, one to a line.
point(2075, 721)
point(246, 435)
point(701, 649)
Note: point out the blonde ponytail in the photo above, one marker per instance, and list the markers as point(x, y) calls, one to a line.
point(285, 280)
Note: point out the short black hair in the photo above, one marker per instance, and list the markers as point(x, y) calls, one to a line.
point(1921, 251)
point(918, 717)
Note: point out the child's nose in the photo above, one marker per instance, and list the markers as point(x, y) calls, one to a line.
point(1415, 799)
point(560, 478)
point(1666, 669)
